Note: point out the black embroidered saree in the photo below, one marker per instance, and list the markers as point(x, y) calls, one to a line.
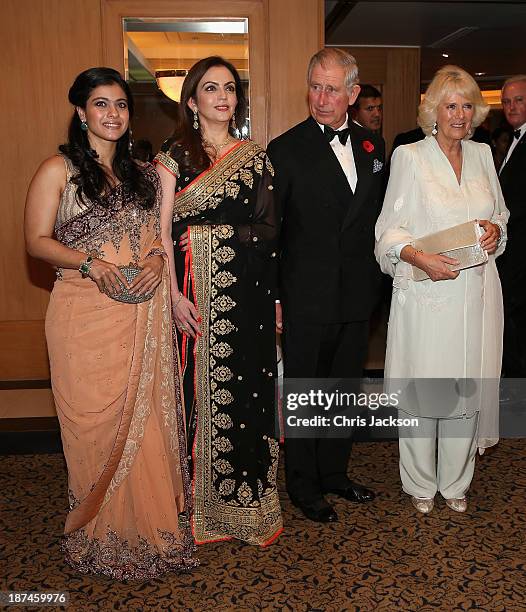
point(229, 372)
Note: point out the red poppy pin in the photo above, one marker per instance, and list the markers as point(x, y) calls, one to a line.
point(368, 146)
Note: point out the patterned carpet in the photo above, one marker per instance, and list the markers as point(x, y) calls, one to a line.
point(378, 557)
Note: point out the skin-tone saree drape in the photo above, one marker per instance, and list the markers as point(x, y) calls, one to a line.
point(118, 401)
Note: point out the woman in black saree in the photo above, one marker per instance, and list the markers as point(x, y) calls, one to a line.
point(220, 221)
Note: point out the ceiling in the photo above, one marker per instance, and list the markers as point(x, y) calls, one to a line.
point(155, 44)
point(480, 36)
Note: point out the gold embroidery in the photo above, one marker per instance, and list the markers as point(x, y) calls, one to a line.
point(222, 506)
point(269, 166)
point(222, 374)
point(223, 466)
point(225, 279)
point(208, 191)
point(232, 189)
point(247, 178)
point(222, 231)
point(168, 162)
point(227, 487)
point(223, 397)
point(221, 349)
point(222, 327)
point(224, 254)
point(223, 303)
point(222, 444)
point(223, 421)
point(244, 494)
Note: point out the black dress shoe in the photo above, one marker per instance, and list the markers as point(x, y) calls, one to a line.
point(353, 492)
point(317, 510)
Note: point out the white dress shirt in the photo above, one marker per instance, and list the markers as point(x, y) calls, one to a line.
point(513, 144)
point(345, 156)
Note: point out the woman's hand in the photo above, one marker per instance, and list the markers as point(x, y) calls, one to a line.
point(490, 237)
point(436, 266)
point(186, 317)
point(184, 242)
point(107, 276)
point(150, 277)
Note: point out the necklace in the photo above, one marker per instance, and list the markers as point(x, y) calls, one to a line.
point(217, 147)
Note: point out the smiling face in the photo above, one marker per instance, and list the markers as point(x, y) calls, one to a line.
point(454, 117)
point(215, 98)
point(514, 103)
point(106, 114)
point(329, 99)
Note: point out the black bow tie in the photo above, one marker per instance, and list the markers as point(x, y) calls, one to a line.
point(342, 134)
point(517, 134)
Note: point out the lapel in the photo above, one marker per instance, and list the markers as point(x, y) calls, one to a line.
point(363, 161)
point(325, 164)
point(518, 151)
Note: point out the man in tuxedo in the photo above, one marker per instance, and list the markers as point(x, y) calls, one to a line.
point(328, 178)
point(512, 263)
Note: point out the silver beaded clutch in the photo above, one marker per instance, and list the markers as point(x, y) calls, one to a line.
point(130, 272)
point(460, 242)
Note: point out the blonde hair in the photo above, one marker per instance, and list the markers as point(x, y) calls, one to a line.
point(450, 80)
point(333, 55)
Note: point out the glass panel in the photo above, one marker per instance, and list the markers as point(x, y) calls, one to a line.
point(159, 52)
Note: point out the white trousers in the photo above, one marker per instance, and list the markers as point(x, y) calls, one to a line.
point(421, 474)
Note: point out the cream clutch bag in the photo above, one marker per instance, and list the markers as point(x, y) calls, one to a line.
point(460, 242)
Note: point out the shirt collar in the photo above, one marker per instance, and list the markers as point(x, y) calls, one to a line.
point(344, 125)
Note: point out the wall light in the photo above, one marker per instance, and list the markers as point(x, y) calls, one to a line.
point(170, 82)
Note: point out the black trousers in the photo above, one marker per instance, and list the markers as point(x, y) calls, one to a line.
point(321, 351)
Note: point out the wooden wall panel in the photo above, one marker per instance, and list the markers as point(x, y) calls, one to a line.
point(296, 34)
point(397, 70)
point(45, 44)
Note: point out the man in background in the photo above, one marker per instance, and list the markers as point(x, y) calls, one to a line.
point(512, 263)
point(368, 108)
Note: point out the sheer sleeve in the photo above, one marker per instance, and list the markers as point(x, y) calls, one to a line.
point(392, 228)
point(263, 233)
point(500, 213)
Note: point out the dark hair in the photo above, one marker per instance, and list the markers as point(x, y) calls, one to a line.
point(186, 143)
point(92, 182)
point(366, 91)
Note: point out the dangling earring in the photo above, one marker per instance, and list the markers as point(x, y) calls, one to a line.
point(234, 126)
point(434, 131)
point(83, 126)
point(196, 120)
point(470, 133)
point(130, 141)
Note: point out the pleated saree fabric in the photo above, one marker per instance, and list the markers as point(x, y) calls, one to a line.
point(117, 391)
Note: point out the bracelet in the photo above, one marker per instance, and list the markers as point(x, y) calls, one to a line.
point(156, 251)
point(179, 298)
point(85, 266)
point(413, 255)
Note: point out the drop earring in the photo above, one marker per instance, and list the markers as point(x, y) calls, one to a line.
point(196, 120)
point(130, 141)
point(234, 126)
point(434, 131)
point(83, 126)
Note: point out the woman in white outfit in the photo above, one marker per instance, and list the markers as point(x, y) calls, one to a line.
point(449, 326)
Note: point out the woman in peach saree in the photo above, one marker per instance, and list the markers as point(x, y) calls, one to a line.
point(89, 211)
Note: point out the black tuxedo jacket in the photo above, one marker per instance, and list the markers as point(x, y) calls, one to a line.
point(512, 263)
point(328, 273)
